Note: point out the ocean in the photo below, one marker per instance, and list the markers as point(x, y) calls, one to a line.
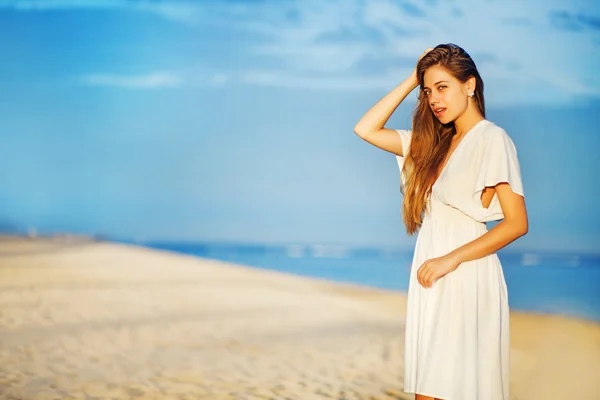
point(543, 282)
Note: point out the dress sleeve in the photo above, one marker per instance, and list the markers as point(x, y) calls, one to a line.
point(405, 136)
point(499, 164)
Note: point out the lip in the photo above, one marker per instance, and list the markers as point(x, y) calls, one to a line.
point(440, 113)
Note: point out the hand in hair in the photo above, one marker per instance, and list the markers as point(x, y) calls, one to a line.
point(414, 73)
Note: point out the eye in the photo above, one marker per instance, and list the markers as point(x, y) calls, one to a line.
point(441, 87)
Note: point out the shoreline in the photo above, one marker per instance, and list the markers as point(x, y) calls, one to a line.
point(527, 311)
point(112, 320)
point(29, 246)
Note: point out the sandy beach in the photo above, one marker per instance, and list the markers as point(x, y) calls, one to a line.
point(91, 320)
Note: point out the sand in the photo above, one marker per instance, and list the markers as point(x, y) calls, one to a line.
point(85, 320)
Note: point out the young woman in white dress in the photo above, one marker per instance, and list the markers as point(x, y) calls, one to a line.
point(458, 171)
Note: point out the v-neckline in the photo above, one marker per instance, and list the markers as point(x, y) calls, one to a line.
point(455, 150)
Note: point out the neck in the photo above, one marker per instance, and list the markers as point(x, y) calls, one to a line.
point(466, 121)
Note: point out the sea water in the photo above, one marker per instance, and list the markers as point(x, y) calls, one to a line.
point(544, 282)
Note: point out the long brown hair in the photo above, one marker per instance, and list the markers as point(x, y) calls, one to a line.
point(431, 139)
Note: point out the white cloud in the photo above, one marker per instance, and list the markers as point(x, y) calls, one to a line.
point(42, 5)
point(531, 59)
point(149, 81)
point(219, 79)
point(181, 11)
point(276, 78)
point(361, 45)
point(317, 57)
point(186, 12)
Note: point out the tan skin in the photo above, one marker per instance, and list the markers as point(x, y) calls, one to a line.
point(443, 90)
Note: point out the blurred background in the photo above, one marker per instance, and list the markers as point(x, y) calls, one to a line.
point(224, 129)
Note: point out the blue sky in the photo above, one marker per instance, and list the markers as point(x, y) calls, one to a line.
point(232, 120)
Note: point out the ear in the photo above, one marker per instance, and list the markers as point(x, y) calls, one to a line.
point(471, 84)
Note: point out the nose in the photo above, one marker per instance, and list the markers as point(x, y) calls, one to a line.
point(434, 99)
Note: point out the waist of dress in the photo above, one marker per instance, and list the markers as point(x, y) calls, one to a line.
point(443, 217)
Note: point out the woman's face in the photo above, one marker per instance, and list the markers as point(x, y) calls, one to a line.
point(446, 95)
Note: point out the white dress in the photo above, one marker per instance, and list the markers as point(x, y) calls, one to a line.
point(457, 331)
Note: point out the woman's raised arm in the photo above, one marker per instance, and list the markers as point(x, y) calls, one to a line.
point(371, 126)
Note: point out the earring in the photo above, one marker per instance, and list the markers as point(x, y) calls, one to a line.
point(471, 94)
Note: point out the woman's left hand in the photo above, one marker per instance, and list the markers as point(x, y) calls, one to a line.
point(435, 268)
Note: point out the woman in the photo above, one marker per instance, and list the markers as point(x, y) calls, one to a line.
point(458, 171)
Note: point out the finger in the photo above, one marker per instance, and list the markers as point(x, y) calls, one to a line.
point(424, 277)
point(424, 53)
point(434, 277)
point(421, 273)
point(429, 278)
